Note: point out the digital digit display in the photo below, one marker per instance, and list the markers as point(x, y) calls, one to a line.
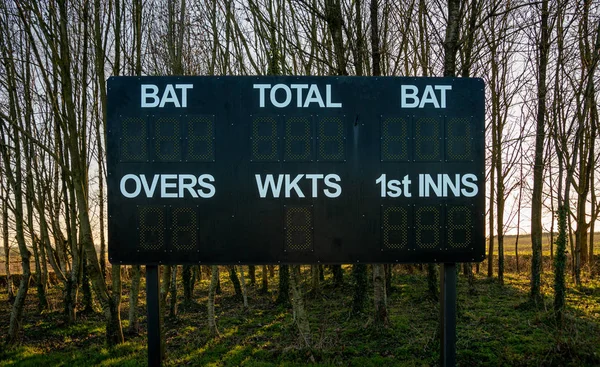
point(295, 170)
point(298, 138)
point(427, 139)
point(459, 139)
point(460, 227)
point(395, 139)
point(395, 228)
point(200, 138)
point(166, 139)
point(133, 141)
point(298, 229)
point(151, 228)
point(265, 139)
point(184, 227)
point(427, 227)
point(331, 138)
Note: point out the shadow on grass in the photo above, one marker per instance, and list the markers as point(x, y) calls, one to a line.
point(128, 354)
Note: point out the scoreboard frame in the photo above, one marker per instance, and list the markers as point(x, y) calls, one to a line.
point(295, 170)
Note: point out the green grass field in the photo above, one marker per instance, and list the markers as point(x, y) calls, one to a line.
point(496, 327)
point(524, 246)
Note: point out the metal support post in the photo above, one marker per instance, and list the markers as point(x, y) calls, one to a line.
point(153, 305)
point(448, 314)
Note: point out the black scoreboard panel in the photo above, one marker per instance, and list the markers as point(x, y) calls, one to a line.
point(251, 170)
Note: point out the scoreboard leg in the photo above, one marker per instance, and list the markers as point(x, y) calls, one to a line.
point(448, 314)
point(153, 305)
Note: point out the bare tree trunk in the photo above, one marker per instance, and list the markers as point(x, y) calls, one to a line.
point(388, 278)
point(212, 321)
point(283, 297)
point(333, 16)
point(538, 168)
point(14, 178)
point(265, 281)
point(44, 262)
point(243, 281)
point(381, 314)
point(316, 283)
point(252, 274)
point(9, 282)
point(560, 261)
point(165, 282)
point(338, 275)
point(173, 291)
point(300, 315)
point(521, 183)
point(72, 289)
point(86, 289)
point(271, 271)
point(490, 264)
point(114, 330)
point(359, 295)
point(134, 324)
point(39, 283)
point(13, 174)
point(186, 278)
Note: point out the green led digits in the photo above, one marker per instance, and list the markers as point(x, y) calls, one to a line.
point(133, 139)
point(264, 139)
point(298, 228)
point(394, 139)
point(458, 145)
point(459, 227)
point(298, 139)
point(395, 228)
point(427, 227)
point(201, 136)
point(331, 139)
point(151, 227)
point(166, 139)
point(427, 139)
point(184, 227)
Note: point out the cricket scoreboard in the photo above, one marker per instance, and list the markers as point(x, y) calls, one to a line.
point(268, 170)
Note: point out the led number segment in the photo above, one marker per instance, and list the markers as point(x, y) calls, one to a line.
point(458, 139)
point(151, 228)
point(264, 139)
point(427, 139)
point(184, 226)
point(460, 227)
point(331, 139)
point(394, 139)
point(133, 139)
point(298, 139)
point(200, 138)
point(298, 228)
point(395, 228)
point(427, 227)
point(167, 139)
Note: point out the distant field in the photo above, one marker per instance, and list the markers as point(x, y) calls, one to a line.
point(525, 244)
point(509, 249)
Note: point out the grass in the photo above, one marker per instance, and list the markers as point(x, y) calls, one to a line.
point(496, 327)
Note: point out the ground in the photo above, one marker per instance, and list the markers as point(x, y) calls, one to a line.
point(495, 326)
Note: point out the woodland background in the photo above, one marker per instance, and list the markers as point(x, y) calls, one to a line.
point(536, 300)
